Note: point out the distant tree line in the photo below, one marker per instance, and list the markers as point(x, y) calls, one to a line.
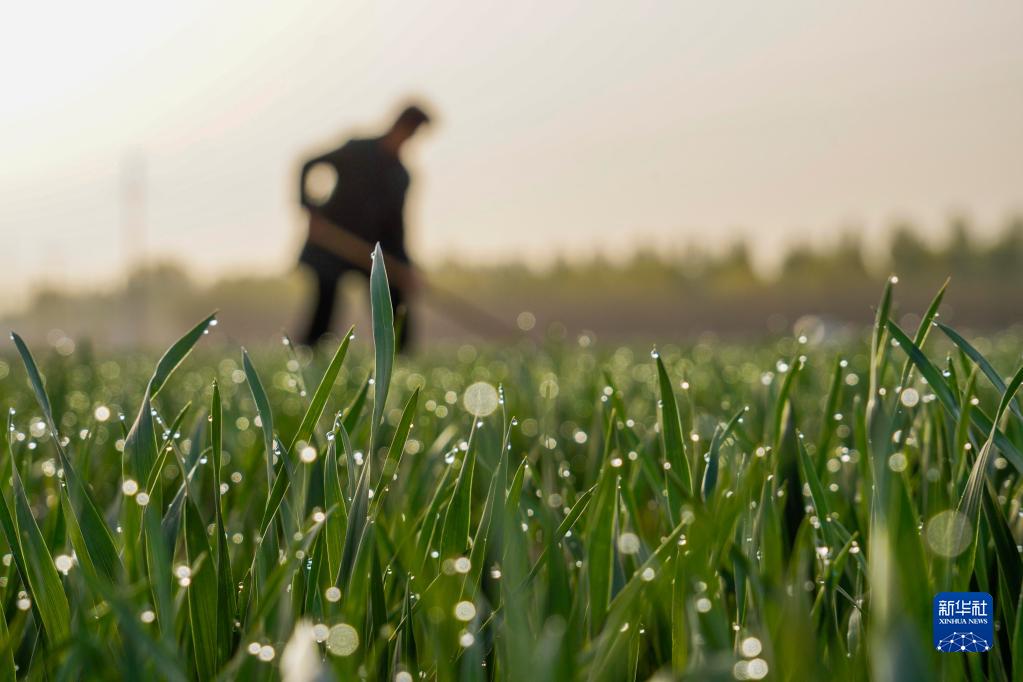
point(648, 294)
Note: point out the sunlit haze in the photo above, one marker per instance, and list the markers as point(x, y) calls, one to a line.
point(563, 128)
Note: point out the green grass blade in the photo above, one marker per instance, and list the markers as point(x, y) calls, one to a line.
point(672, 439)
point(7, 669)
point(710, 474)
point(485, 531)
point(600, 529)
point(817, 493)
point(34, 379)
point(319, 399)
point(566, 525)
point(333, 498)
point(165, 449)
point(226, 606)
point(41, 577)
point(266, 418)
point(931, 373)
point(455, 531)
point(358, 516)
point(623, 606)
point(10, 525)
point(923, 330)
point(989, 371)
point(176, 354)
point(782, 402)
point(969, 503)
point(831, 406)
point(512, 497)
point(383, 340)
point(90, 534)
point(275, 496)
point(1006, 554)
point(432, 520)
point(948, 399)
point(352, 413)
point(203, 606)
point(877, 347)
point(393, 459)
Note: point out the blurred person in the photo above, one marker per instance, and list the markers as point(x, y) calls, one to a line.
point(361, 202)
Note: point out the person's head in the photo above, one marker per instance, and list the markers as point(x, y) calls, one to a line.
point(405, 126)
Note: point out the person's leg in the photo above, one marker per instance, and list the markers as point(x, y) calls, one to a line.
point(402, 320)
point(323, 310)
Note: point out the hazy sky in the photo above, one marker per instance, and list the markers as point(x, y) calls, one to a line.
point(566, 127)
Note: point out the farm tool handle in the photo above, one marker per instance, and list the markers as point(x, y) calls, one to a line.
point(353, 248)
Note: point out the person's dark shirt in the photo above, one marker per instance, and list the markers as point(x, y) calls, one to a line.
point(368, 201)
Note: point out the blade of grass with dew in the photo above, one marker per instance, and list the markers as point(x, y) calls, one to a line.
point(8, 520)
point(623, 604)
point(171, 522)
point(177, 353)
point(392, 461)
point(305, 585)
point(140, 446)
point(969, 503)
point(322, 393)
point(989, 371)
point(143, 456)
point(353, 412)
point(164, 449)
point(358, 517)
point(275, 584)
point(671, 437)
point(333, 498)
point(158, 542)
point(226, 606)
point(486, 531)
point(948, 400)
point(710, 474)
point(931, 373)
point(566, 525)
point(201, 593)
point(349, 420)
point(432, 519)
point(90, 534)
point(599, 530)
point(922, 330)
point(831, 405)
point(817, 492)
point(356, 604)
point(877, 347)
point(377, 616)
point(158, 568)
point(266, 418)
point(959, 467)
point(140, 457)
point(781, 403)
point(40, 576)
point(454, 537)
point(275, 496)
point(383, 341)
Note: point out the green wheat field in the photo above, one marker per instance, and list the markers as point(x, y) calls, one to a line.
point(541, 511)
